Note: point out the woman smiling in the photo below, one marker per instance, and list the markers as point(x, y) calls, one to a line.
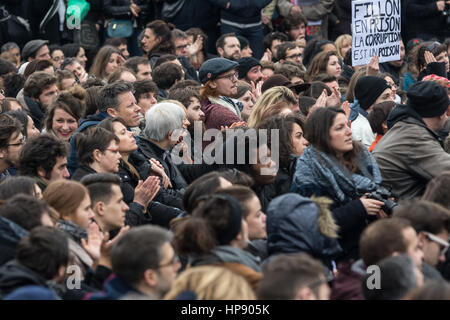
point(65, 113)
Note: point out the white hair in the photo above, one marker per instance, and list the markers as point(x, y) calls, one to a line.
point(161, 119)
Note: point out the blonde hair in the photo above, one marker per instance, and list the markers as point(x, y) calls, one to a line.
point(269, 98)
point(211, 283)
point(341, 42)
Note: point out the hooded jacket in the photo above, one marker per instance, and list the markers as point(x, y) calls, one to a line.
point(236, 260)
point(410, 154)
point(10, 235)
point(299, 224)
point(13, 275)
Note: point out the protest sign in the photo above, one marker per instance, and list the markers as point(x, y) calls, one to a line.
point(375, 30)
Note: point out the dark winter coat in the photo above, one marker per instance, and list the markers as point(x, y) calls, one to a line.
point(424, 20)
point(10, 235)
point(14, 275)
point(157, 213)
point(298, 224)
point(240, 11)
point(410, 154)
point(120, 9)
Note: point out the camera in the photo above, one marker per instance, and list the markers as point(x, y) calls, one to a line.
point(383, 195)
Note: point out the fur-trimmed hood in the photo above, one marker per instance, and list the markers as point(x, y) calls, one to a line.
point(299, 224)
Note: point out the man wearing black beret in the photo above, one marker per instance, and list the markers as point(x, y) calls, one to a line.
point(410, 154)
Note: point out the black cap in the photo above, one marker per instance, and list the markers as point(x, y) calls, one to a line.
point(428, 99)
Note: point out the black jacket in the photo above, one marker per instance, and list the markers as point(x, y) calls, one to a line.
point(395, 72)
point(10, 235)
point(120, 9)
point(170, 197)
point(196, 13)
point(424, 20)
point(437, 68)
point(136, 215)
point(156, 213)
point(36, 112)
point(241, 11)
point(14, 275)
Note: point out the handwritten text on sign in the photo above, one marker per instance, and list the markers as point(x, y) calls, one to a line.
point(375, 30)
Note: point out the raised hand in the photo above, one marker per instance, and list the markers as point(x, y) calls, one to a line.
point(159, 170)
point(105, 249)
point(94, 242)
point(194, 48)
point(373, 67)
point(429, 57)
point(146, 190)
point(267, 56)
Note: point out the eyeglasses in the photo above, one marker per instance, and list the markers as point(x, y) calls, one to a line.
point(442, 243)
point(21, 142)
point(299, 55)
point(113, 150)
point(230, 76)
point(175, 260)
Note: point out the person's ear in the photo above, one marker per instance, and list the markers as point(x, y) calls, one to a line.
point(112, 112)
point(213, 84)
point(305, 293)
point(41, 172)
point(220, 51)
point(421, 239)
point(384, 127)
point(150, 278)
point(3, 153)
point(99, 208)
point(96, 155)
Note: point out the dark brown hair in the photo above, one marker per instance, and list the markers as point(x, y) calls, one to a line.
point(437, 190)
point(382, 238)
point(318, 128)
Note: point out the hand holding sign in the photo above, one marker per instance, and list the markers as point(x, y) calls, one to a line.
point(373, 67)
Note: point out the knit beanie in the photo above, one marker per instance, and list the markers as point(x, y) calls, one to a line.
point(368, 89)
point(428, 99)
point(245, 64)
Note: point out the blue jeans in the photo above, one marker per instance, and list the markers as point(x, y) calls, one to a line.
point(254, 35)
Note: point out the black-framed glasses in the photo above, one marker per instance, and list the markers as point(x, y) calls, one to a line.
point(175, 260)
point(442, 243)
point(230, 76)
point(20, 143)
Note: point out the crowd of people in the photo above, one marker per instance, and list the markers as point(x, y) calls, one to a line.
point(207, 150)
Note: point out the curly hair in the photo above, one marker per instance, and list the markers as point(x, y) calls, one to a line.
point(41, 152)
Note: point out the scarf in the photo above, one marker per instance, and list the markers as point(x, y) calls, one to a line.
point(231, 104)
point(322, 175)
